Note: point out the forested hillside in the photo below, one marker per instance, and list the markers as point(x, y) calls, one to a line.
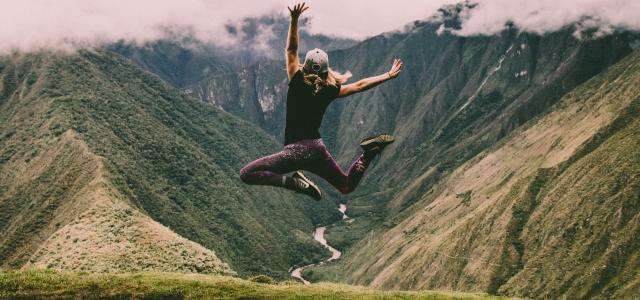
point(73, 123)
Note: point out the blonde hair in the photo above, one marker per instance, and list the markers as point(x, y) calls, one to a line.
point(330, 78)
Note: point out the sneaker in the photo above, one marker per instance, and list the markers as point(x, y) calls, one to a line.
point(306, 186)
point(375, 144)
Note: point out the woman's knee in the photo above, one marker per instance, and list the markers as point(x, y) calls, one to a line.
point(245, 174)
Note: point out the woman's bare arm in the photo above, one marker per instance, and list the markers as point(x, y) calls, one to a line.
point(291, 52)
point(367, 83)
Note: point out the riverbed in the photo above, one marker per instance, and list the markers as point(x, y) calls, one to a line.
point(318, 235)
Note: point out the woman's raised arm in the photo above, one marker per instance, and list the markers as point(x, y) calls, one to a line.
point(367, 83)
point(291, 52)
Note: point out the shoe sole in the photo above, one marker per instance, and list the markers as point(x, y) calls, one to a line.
point(311, 183)
point(382, 139)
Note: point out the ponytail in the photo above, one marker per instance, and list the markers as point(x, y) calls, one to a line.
point(330, 78)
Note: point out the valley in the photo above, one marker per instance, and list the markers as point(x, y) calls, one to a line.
point(514, 172)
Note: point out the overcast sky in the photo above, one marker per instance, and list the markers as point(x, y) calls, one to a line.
point(34, 24)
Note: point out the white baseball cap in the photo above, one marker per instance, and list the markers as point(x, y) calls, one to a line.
point(316, 61)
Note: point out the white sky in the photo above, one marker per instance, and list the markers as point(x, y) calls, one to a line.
point(34, 24)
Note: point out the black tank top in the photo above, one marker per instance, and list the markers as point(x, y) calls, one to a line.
point(305, 109)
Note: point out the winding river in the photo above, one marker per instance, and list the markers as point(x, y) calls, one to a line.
point(318, 235)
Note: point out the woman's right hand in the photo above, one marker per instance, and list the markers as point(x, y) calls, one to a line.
point(395, 68)
point(297, 10)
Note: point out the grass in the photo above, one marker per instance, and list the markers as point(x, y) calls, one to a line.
point(47, 283)
point(525, 204)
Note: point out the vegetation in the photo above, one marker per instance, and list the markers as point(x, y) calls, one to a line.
point(171, 157)
point(35, 284)
point(595, 198)
point(465, 197)
point(553, 211)
point(524, 206)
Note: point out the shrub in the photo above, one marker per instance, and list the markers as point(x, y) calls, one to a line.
point(262, 279)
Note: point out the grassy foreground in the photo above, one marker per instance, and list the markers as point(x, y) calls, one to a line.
point(54, 284)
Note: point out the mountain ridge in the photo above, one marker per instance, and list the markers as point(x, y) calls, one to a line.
point(95, 240)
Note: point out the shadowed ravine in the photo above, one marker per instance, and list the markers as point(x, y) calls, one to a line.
point(318, 235)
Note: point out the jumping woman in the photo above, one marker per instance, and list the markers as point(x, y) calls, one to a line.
point(312, 87)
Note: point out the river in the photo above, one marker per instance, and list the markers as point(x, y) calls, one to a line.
point(318, 235)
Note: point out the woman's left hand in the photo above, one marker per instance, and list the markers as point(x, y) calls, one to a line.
point(396, 68)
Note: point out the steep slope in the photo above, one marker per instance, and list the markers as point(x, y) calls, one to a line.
point(457, 97)
point(179, 62)
point(550, 212)
point(107, 234)
point(60, 210)
point(152, 153)
point(255, 94)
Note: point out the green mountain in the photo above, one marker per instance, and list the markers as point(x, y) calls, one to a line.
point(104, 167)
point(179, 62)
point(551, 211)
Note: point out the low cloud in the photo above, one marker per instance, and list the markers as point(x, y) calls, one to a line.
point(28, 25)
point(35, 24)
point(540, 16)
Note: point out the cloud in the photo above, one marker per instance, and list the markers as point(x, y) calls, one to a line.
point(364, 18)
point(34, 24)
point(540, 16)
point(66, 24)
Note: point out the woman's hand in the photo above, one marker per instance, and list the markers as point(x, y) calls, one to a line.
point(291, 53)
point(395, 68)
point(297, 10)
point(367, 83)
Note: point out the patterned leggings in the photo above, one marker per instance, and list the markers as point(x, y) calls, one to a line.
point(310, 155)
